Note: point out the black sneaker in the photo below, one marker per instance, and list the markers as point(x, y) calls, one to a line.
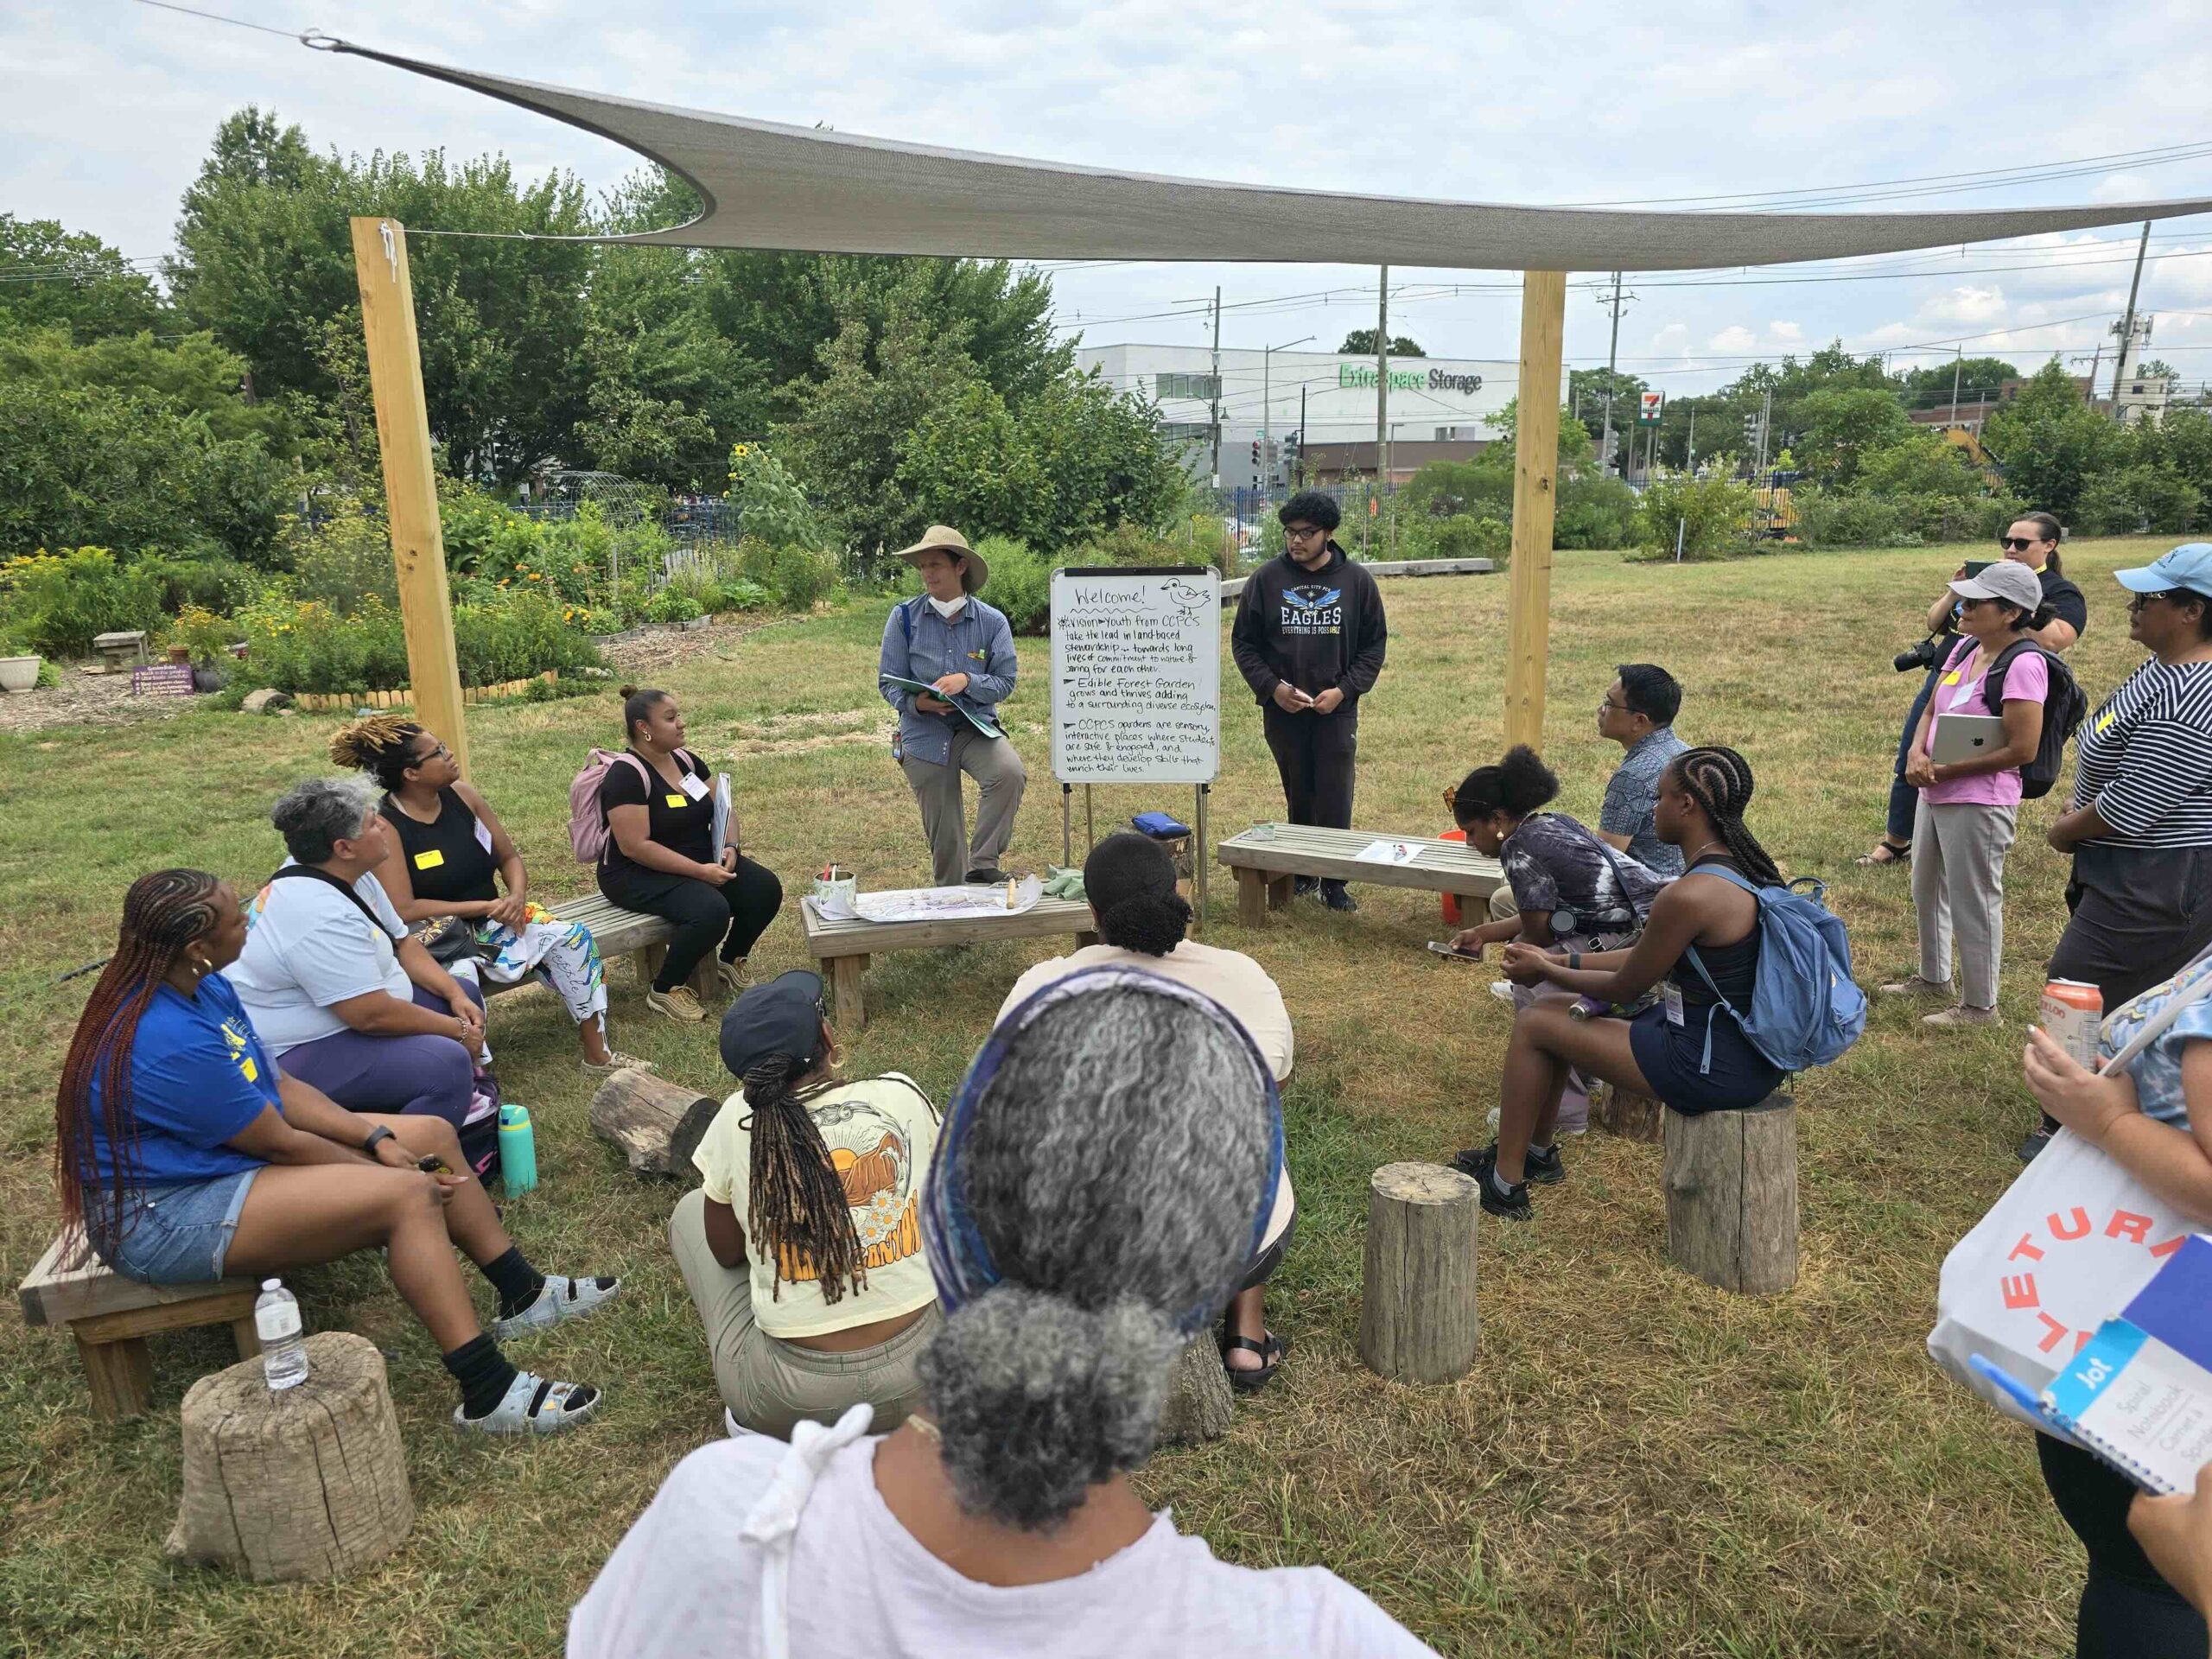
point(1305, 887)
point(2037, 1140)
point(1481, 1163)
point(1546, 1167)
point(1334, 896)
point(983, 878)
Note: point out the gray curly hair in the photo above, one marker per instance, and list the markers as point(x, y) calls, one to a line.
point(314, 816)
point(1110, 1167)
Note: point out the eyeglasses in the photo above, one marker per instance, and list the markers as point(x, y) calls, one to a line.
point(437, 751)
point(1302, 532)
point(2016, 544)
point(1604, 703)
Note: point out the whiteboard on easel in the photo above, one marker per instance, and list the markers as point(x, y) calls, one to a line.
point(1136, 675)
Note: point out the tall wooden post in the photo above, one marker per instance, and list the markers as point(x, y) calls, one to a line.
point(1535, 459)
point(410, 484)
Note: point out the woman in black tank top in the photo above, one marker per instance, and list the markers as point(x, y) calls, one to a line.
point(449, 857)
point(1686, 1051)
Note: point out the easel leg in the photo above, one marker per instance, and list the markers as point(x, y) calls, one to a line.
point(1067, 826)
point(1198, 861)
point(1090, 821)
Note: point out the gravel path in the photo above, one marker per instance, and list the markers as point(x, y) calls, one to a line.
point(86, 700)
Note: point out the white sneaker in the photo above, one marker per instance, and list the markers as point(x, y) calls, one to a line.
point(562, 1299)
point(738, 1431)
point(533, 1406)
point(1503, 990)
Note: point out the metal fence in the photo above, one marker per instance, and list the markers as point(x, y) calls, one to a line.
point(710, 519)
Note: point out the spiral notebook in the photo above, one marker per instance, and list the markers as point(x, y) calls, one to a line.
point(2138, 1393)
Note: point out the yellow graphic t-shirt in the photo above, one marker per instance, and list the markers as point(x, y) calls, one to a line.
point(881, 1133)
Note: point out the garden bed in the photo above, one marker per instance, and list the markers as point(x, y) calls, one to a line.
point(323, 703)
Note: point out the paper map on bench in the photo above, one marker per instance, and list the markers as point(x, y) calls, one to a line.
point(948, 904)
point(1389, 852)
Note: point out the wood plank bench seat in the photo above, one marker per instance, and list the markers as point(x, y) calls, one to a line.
point(111, 1317)
point(1267, 858)
point(846, 946)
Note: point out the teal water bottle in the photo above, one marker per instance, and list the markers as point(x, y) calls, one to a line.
point(518, 1149)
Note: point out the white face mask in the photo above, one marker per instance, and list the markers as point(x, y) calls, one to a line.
point(948, 609)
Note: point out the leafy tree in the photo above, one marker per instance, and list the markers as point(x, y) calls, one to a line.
point(70, 280)
point(194, 376)
point(2128, 500)
point(1360, 342)
point(1921, 463)
point(1978, 378)
point(2049, 443)
point(1839, 425)
point(2157, 369)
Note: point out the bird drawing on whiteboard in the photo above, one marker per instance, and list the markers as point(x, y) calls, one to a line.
point(1183, 592)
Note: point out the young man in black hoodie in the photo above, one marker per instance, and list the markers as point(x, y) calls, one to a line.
point(1309, 638)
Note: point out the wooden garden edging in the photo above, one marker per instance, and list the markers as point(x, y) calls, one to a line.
point(324, 702)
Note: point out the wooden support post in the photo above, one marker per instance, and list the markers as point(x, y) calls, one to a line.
point(705, 980)
point(1280, 889)
point(1732, 1196)
point(119, 1375)
point(845, 975)
point(1417, 1321)
point(1251, 897)
point(1536, 500)
point(410, 484)
point(246, 1336)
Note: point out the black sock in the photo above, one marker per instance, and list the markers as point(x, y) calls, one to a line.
point(516, 1280)
point(483, 1372)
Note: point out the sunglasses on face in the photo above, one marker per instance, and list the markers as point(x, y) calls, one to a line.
point(2141, 600)
point(2016, 543)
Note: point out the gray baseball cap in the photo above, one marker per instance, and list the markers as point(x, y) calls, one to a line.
point(2005, 579)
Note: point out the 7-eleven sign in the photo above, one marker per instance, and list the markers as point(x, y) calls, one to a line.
point(1649, 407)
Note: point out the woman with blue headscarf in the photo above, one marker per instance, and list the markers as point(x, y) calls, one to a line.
point(1101, 1183)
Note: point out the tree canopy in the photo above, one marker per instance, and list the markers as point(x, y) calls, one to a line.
point(1360, 342)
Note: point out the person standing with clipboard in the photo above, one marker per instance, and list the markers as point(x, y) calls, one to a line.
point(947, 663)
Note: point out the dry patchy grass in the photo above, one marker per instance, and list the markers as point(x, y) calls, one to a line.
point(1638, 1465)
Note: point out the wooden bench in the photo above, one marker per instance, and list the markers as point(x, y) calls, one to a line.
point(111, 1317)
point(1267, 857)
point(846, 946)
point(621, 932)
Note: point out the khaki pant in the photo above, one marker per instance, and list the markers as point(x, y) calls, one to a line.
point(769, 1385)
point(1503, 903)
point(1958, 884)
point(1000, 779)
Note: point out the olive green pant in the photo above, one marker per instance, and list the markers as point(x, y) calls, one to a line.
point(771, 1385)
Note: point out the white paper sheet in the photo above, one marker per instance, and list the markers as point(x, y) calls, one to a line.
point(948, 904)
point(1389, 852)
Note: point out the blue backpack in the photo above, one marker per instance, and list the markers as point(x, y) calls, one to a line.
point(1805, 1010)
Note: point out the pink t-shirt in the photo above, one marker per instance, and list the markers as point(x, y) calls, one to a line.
point(2026, 680)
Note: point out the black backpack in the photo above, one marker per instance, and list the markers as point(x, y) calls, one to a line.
point(2064, 708)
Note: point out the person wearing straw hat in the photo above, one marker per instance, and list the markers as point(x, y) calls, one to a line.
point(947, 663)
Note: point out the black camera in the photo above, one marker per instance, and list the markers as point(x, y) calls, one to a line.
point(1921, 657)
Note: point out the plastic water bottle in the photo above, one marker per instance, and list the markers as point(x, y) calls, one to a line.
point(518, 1149)
point(283, 1349)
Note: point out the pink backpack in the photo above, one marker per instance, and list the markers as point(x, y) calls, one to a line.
point(587, 836)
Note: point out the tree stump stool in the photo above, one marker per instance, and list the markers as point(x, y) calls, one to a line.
point(1417, 1321)
point(1732, 1196)
point(309, 1483)
point(658, 1124)
point(1631, 1116)
point(1199, 1407)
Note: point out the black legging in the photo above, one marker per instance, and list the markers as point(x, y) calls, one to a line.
point(2128, 1611)
point(736, 913)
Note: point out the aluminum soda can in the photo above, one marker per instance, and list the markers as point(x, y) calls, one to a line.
point(2072, 1013)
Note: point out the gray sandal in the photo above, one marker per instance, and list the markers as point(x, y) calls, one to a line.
point(533, 1406)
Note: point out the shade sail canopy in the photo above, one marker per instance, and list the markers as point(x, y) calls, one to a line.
point(767, 185)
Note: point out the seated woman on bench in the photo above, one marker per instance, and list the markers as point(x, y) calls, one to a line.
point(446, 848)
point(186, 1153)
point(1683, 1050)
point(1130, 881)
point(803, 1249)
point(338, 990)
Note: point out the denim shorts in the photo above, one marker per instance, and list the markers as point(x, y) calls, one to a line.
point(176, 1235)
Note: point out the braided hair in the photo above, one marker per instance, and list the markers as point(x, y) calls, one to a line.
point(381, 745)
point(1720, 781)
point(163, 914)
point(797, 1210)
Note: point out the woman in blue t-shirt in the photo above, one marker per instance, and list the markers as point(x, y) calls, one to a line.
point(186, 1155)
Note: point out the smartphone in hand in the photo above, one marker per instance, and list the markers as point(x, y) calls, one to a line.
point(1451, 953)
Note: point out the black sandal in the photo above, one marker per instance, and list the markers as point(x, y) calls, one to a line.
point(1271, 1349)
point(1897, 855)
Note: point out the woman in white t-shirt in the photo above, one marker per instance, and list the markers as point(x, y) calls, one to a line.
point(803, 1248)
point(1103, 1177)
point(1130, 882)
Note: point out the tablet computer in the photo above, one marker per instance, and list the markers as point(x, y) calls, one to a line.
point(1965, 737)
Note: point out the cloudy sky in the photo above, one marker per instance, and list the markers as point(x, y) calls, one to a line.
point(107, 107)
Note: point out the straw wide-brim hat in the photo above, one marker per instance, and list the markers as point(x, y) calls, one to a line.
point(944, 539)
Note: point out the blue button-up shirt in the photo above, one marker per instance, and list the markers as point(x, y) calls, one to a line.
point(920, 645)
point(1632, 799)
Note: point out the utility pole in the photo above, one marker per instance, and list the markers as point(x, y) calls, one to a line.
point(1766, 424)
point(1382, 381)
point(2127, 323)
point(1689, 461)
point(1957, 363)
point(1217, 386)
point(1612, 356)
point(1300, 478)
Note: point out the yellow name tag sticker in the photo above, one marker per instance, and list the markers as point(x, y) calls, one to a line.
point(1951, 678)
point(676, 800)
point(429, 861)
point(245, 1065)
point(2104, 721)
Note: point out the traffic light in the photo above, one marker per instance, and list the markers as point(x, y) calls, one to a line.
point(1255, 456)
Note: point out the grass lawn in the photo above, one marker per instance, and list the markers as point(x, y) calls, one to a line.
point(1638, 1466)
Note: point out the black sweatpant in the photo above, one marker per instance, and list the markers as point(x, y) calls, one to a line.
point(2128, 1611)
point(1314, 754)
point(736, 913)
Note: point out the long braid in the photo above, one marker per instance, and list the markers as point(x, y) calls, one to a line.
point(797, 1208)
point(1720, 781)
point(162, 913)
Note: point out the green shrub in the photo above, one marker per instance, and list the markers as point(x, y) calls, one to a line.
point(208, 637)
point(771, 506)
point(797, 577)
point(1713, 517)
point(343, 559)
point(1595, 509)
point(2137, 499)
point(1458, 535)
point(1021, 583)
point(673, 605)
point(1839, 518)
point(305, 645)
point(218, 584)
point(521, 636)
point(57, 602)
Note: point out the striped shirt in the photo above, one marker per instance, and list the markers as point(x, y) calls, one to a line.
point(2145, 758)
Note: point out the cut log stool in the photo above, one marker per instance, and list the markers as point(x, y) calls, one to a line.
point(658, 1124)
point(1631, 1116)
point(1198, 1404)
point(308, 1484)
point(1732, 1196)
point(1417, 1321)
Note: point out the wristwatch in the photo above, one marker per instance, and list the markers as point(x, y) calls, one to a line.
point(1573, 959)
point(380, 1133)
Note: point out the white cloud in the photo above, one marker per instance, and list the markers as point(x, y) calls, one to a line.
point(1785, 333)
point(1734, 339)
point(1967, 305)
